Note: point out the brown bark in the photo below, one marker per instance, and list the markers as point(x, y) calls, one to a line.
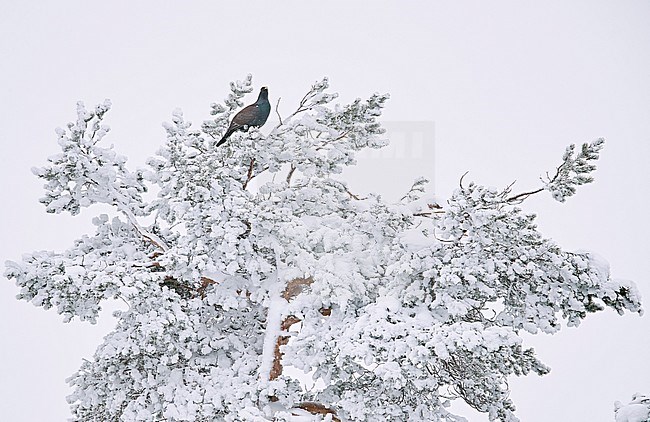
point(318, 409)
point(276, 369)
point(293, 289)
point(205, 282)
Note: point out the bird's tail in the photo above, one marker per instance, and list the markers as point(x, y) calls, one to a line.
point(226, 136)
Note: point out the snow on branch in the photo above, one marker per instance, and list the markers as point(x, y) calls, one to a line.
point(111, 264)
point(575, 170)
point(85, 173)
point(416, 191)
point(637, 410)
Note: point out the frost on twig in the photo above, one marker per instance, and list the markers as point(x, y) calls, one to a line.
point(575, 170)
point(416, 191)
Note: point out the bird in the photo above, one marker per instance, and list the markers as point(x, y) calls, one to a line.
point(253, 115)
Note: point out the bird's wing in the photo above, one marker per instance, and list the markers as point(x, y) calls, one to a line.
point(246, 117)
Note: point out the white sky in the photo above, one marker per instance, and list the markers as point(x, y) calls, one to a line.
point(508, 84)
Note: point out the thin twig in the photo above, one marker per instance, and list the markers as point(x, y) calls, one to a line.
point(153, 264)
point(354, 196)
point(523, 196)
point(329, 141)
point(196, 146)
point(277, 111)
point(125, 301)
point(300, 108)
point(427, 214)
point(461, 179)
point(293, 168)
point(307, 96)
point(446, 240)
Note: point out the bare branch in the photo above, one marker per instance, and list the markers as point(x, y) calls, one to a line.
point(353, 196)
point(427, 214)
point(293, 168)
point(301, 107)
point(277, 111)
point(461, 179)
point(519, 198)
point(523, 196)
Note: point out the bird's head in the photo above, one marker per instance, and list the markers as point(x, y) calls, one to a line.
point(264, 94)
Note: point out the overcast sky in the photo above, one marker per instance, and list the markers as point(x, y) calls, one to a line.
point(497, 88)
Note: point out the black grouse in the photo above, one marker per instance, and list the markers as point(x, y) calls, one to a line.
point(252, 115)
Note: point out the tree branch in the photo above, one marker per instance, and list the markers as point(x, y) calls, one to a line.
point(461, 179)
point(293, 289)
point(437, 209)
point(329, 141)
point(317, 409)
point(524, 195)
point(293, 168)
point(205, 282)
point(353, 196)
point(152, 238)
point(300, 109)
point(249, 176)
point(277, 111)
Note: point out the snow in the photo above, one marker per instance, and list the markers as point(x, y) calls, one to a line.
point(638, 410)
point(276, 305)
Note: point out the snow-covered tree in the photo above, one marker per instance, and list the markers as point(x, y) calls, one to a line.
point(296, 299)
point(638, 410)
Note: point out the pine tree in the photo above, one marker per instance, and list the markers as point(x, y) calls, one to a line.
point(297, 298)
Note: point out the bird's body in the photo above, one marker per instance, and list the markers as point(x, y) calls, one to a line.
point(254, 115)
